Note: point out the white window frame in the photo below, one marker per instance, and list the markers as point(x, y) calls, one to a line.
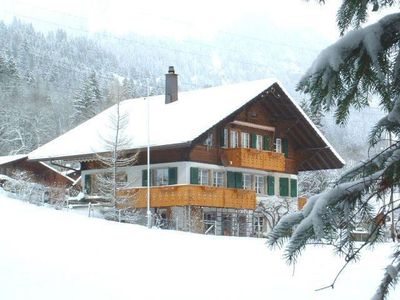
point(259, 142)
point(226, 138)
point(278, 145)
point(209, 140)
point(218, 178)
point(234, 139)
point(247, 185)
point(260, 189)
point(245, 139)
point(204, 177)
point(161, 177)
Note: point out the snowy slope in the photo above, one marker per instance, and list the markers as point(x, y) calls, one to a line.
point(48, 254)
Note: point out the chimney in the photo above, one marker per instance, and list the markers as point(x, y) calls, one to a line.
point(171, 86)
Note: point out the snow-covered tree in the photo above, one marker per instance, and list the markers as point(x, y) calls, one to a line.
point(274, 209)
point(365, 61)
point(87, 100)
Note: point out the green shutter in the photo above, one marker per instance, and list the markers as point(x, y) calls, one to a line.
point(88, 184)
point(285, 147)
point(253, 141)
point(293, 188)
point(231, 179)
point(266, 143)
point(172, 175)
point(194, 175)
point(144, 177)
point(238, 180)
point(222, 138)
point(284, 187)
point(271, 185)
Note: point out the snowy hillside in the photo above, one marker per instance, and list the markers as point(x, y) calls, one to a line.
point(48, 254)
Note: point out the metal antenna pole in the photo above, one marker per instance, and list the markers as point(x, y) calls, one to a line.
point(148, 158)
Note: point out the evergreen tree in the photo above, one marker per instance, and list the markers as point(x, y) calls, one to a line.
point(363, 62)
point(87, 100)
point(315, 115)
point(128, 89)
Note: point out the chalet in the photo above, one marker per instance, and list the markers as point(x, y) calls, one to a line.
point(37, 171)
point(215, 153)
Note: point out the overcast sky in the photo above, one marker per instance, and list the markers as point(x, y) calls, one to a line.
point(176, 18)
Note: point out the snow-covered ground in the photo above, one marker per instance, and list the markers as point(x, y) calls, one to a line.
point(49, 254)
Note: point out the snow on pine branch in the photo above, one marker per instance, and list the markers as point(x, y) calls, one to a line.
point(311, 220)
point(392, 274)
point(336, 55)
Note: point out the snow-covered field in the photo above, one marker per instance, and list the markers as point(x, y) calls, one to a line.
point(48, 254)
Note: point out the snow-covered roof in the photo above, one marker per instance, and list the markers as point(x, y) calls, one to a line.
point(11, 158)
point(175, 123)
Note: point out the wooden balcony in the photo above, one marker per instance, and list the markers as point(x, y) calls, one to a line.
point(253, 158)
point(195, 195)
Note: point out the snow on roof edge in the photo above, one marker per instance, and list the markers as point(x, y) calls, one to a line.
point(56, 171)
point(312, 124)
point(11, 158)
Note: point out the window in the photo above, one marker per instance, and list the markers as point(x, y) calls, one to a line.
point(225, 138)
point(259, 184)
point(258, 224)
point(88, 185)
point(247, 182)
point(259, 142)
point(234, 139)
point(161, 177)
point(209, 140)
point(218, 178)
point(278, 145)
point(203, 177)
point(245, 140)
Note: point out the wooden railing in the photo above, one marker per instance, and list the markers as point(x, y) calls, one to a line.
point(253, 158)
point(196, 195)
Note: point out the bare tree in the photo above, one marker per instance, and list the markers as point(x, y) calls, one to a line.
point(274, 209)
point(116, 157)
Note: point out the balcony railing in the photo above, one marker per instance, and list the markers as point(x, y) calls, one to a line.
point(253, 158)
point(196, 195)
